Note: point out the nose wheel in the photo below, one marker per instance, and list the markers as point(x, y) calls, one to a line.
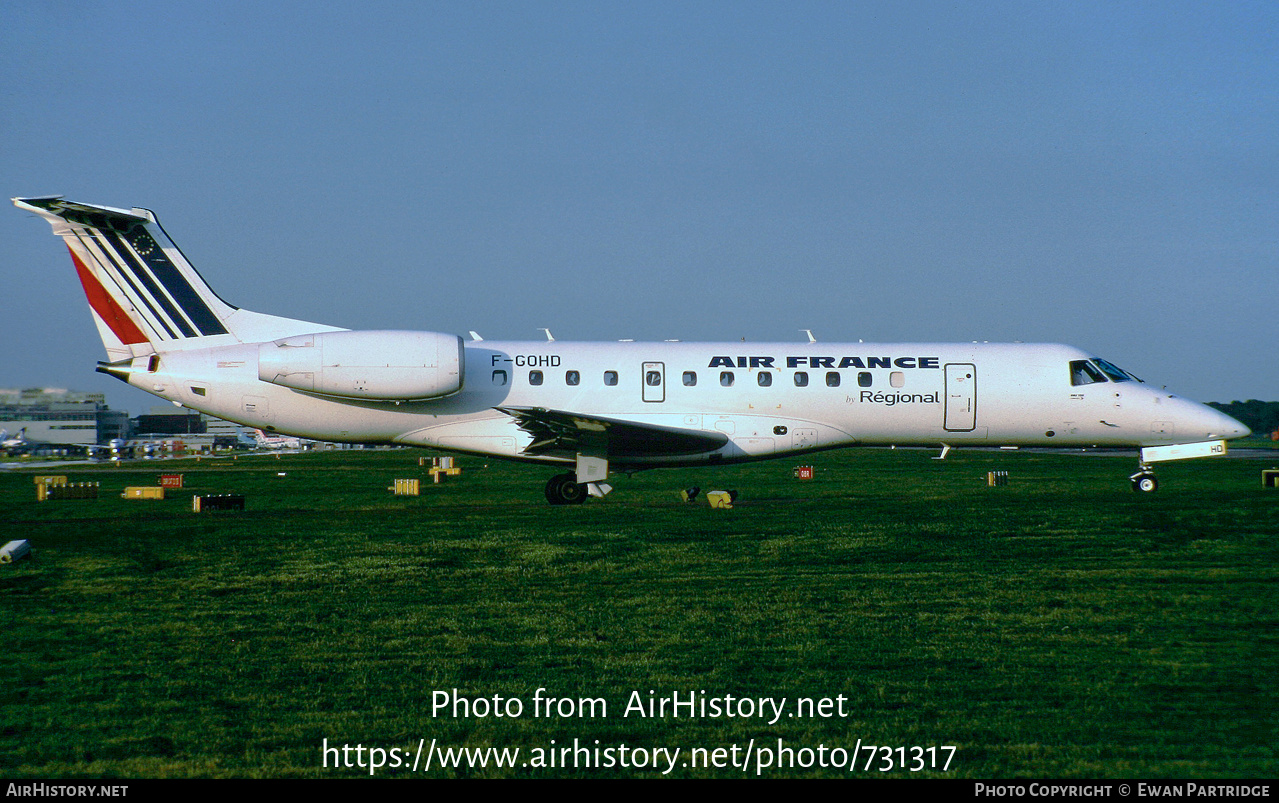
point(1144, 480)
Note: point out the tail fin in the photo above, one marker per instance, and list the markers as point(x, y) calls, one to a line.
point(145, 296)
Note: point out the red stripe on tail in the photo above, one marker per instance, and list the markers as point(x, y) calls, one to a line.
point(106, 307)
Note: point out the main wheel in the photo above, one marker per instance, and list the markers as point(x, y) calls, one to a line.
point(564, 489)
point(1145, 483)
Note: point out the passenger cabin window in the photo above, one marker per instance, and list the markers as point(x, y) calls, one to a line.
point(610, 378)
point(690, 379)
point(897, 379)
point(572, 378)
point(535, 377)
point(499, 377)
point(726, 379)
point(1083, 372)
point(765, 379)
point(832, 379)
point(801, 379)
point(864, 379)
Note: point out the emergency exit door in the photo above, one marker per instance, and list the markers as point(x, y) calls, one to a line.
point(961, 397)
point(654, 378)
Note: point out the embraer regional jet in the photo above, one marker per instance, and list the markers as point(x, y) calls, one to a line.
point(594, 407)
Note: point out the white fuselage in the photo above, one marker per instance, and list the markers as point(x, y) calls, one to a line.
point(997, 394)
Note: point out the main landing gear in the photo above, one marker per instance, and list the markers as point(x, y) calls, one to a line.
point(564, 489)
point(1144, 480)
point(587, 479)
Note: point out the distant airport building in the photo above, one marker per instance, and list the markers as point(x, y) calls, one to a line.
point(57, 416)
point(163, 422)
point(45, 419)
point(193, 429)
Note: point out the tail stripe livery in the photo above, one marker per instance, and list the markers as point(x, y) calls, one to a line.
point(143, 252)
point(101, 262)
point(157, 288)
point(109, 267)
point(143, 287)
point(121, 325)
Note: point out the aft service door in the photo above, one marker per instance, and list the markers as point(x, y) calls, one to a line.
point(654, 378)
point(961, 397)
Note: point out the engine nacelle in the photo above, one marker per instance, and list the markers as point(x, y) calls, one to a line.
point(384, 365)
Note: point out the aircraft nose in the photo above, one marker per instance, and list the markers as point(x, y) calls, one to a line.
point(1223, 426)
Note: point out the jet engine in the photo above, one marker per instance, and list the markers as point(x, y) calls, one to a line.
point(379, 365)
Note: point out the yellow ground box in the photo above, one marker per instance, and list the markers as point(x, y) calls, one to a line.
point(720, 499)
point(143, 492)
point(407, 487)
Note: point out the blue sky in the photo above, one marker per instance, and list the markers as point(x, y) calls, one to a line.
point(1105, 175)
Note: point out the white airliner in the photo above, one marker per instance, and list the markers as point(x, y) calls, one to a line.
point(275, 442)
point(12, 443)
point(592, 407)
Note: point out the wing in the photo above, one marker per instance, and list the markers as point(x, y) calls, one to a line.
point(558, 433)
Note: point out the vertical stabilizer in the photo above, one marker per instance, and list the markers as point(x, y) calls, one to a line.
point(145, 296)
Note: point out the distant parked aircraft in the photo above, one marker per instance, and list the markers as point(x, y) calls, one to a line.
point(264, 441)
point(7, 443)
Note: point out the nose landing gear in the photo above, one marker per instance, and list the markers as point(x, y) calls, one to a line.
point(1144, 480)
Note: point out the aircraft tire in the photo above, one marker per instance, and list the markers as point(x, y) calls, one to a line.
point(564, 489)
point(1145, 483)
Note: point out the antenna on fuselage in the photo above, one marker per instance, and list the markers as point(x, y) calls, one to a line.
point(549, 336)
point(809, 332)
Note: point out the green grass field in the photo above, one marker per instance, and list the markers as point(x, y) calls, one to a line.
point(1061, 626)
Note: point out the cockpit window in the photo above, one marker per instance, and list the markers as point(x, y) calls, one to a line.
point(1087, 372)
point(1083, 372)
point(1115, 373)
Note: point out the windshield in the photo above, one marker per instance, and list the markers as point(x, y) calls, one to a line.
point(1083, 372)
point(1115, 373)
point(1089, 372)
